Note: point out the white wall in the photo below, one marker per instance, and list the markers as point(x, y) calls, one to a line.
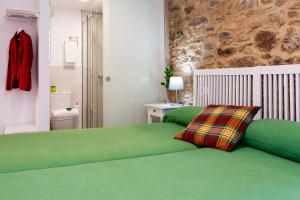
point(43, 96)
point(16, 106)
point(65, 23)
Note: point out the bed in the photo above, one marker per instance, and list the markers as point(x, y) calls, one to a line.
point(250, 174)
point(145, 162)
point(65, 148)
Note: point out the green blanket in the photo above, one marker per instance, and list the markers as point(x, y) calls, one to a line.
point(202, 174)
point(64, 148)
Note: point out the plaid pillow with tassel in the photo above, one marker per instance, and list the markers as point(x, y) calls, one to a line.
point(219, 127)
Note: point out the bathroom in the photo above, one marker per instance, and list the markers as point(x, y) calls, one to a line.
point(76, 64)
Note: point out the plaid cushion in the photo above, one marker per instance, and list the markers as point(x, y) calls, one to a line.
point(219, 127)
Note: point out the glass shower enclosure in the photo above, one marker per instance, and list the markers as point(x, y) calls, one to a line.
point(92, 69)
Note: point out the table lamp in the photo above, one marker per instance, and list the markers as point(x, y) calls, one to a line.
point(176, 83)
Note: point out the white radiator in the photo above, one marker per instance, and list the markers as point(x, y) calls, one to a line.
point(275, 88)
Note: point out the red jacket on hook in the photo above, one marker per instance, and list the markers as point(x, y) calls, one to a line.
point(20, 62)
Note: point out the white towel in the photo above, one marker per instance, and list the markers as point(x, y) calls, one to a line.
point(64, 113)
point(71, 51)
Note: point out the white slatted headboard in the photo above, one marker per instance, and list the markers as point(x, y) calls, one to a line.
point(275, 88)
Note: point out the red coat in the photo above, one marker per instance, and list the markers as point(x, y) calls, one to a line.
point(20, 62)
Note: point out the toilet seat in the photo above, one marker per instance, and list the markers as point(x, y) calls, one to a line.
point(61, 118)
point(64, 113)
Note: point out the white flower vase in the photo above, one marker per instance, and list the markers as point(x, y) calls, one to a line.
point(167, 100)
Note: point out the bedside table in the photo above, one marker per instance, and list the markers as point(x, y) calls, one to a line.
point(159, 110)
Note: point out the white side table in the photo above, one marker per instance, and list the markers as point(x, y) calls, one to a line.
point(159, 110)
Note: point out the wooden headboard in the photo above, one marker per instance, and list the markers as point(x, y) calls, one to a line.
point(275, 88)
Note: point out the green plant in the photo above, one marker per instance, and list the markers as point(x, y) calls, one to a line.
point(168, 74)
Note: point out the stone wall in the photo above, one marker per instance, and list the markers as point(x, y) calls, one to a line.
point(231, 33)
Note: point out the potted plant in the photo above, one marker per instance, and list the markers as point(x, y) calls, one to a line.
point(168, 74)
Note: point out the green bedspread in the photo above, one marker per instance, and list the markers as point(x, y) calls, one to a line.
point(64, 148)
point(202, 174)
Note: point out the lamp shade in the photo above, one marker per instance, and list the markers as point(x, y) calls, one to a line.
point(176, 83)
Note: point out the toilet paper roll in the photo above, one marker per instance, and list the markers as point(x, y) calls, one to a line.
point(64, 113)
point(77, 107)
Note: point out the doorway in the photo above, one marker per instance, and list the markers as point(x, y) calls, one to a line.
point(110, 79)
point(76, 59)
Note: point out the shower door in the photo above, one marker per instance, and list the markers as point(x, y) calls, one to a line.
point(92, 31)
point(134, 59)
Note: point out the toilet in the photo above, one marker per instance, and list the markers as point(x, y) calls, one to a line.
point(63, 116)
